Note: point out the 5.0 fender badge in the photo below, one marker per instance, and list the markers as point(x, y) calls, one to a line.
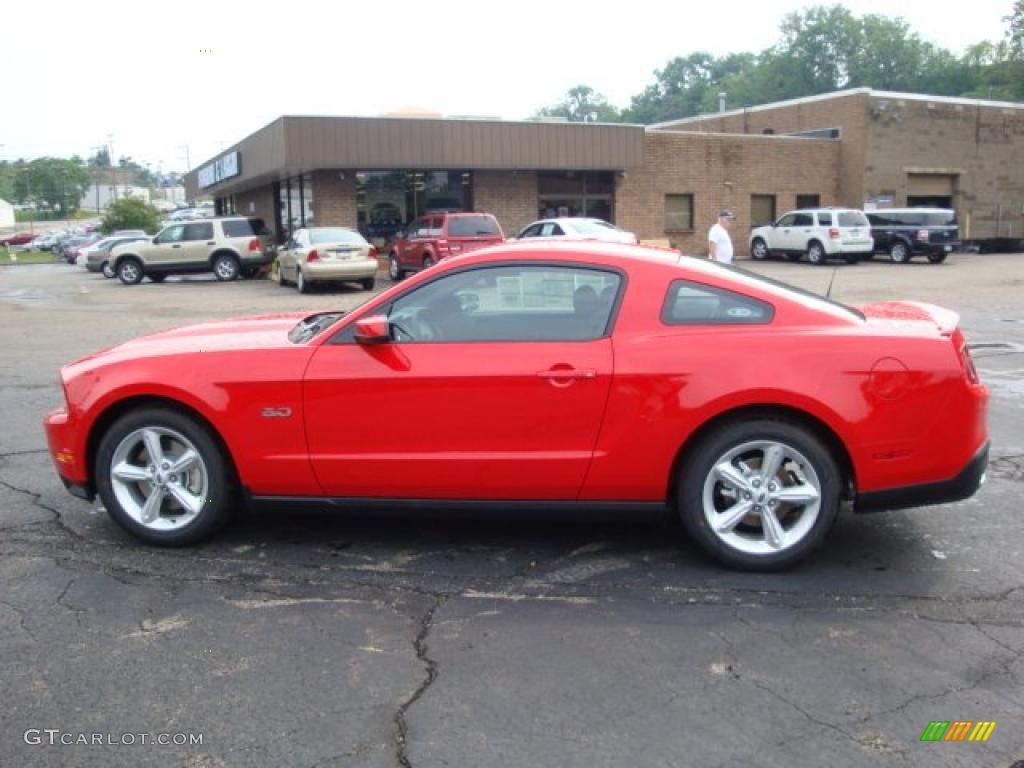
point(276, 413)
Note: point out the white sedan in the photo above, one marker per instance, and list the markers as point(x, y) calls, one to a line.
point(574, 228)
point(326, 254)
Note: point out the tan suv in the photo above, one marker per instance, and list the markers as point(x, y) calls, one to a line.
point(228, 247)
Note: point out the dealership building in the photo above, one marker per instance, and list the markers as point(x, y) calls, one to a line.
point(665, 182)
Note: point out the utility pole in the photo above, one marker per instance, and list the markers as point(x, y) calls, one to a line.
point(113, 164)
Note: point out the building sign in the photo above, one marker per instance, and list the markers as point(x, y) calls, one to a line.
point(220, 169)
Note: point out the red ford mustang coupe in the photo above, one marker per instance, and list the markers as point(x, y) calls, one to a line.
point(540, 376)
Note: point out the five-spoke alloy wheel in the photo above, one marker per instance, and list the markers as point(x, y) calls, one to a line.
point(163, 477)
point(759, 495)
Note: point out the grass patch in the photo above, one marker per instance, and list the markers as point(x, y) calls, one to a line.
point(27, 257)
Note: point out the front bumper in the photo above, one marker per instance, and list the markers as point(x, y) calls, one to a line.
point(67, 452)
point(962, 486)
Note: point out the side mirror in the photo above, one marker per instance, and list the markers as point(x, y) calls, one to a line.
point(374, 329)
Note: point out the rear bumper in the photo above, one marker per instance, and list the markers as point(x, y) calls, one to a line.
point(927, 248)
point(343, 270)
point(962, 486)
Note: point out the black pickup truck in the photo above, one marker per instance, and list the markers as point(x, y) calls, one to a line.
point(907, 232)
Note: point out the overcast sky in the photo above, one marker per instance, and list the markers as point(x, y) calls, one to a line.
point(161, 75)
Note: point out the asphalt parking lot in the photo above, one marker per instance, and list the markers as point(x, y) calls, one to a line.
point(314, 641)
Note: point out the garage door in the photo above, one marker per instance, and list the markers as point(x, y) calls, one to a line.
point(930, 185)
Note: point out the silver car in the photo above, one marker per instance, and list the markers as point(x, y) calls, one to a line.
point(326, 254)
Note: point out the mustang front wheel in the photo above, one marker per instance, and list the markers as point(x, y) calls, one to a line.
point(759, 495)
point(162, 477)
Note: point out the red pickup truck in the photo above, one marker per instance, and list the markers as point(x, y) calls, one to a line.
point(429, 239)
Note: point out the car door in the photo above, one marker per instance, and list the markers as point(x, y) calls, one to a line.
point(166, 247)
point(412, 244)
point(493, 386)
point(781, 235)
point(286, 257)
point(803, 232)
point(197, 243)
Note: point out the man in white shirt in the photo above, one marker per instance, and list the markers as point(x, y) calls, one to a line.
point(719, 242)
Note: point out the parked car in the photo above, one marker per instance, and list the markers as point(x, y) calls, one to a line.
point(70, 248)
point(616, 377)
point(571, 228)
point(18, 238)
point(326, 254)
point(429, 239)
point(96, 257)
point(820, 233)
point(228, 247)
point(907, 232)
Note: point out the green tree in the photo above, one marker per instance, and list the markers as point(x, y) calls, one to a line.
point(101, 159)
point(687, 86)
point(131, 213)
point(53, 181)
point(583, 104)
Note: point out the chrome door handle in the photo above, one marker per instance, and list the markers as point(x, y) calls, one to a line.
point(568, 373)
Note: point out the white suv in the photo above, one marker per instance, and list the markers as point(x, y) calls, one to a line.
point(821, 233)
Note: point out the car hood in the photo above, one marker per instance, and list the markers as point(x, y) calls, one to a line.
point(261, 332)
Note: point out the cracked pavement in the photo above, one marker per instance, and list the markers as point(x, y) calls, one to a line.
point(332, 641)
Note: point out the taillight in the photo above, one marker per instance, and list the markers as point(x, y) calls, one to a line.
point(968, 363)
point(833, 233)
point(372, 254)
point(312, 256)
point(255, 245)
point(442, 245)
point(922, 235)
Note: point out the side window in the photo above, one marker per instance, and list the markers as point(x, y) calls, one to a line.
point(531, 231)
point(787, 220)
point(689, 303)
point(436, 226)
point(803, 220)
point(825, 219)
point(200, 231)
point(556, 230)
point(419, 228)
point(550, 229)
point(509, 303)
point(172, 234)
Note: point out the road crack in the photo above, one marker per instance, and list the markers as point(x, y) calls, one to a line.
point(420, 644)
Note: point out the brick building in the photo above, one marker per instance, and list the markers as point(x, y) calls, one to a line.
point(857, 148)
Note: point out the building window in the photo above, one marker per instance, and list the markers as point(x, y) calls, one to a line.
point(808, 201)
point(762, 210)
point(387, 200)
point(678, 213)
point(562, 194)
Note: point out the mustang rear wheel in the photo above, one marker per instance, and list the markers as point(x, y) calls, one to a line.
point(162, 477)
point(759, 495)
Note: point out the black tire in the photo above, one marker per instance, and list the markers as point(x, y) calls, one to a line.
point(226, 267)
point(937, 258)
point(107, 270)
point(395, 271)
point(698, 470)
point(129, 271)
point(368, 283)
point(221, 484)
point(301, 285)
point(899, 252)
point(759, 250)
point(816, 253)
point(428, 261)
point(157, 278)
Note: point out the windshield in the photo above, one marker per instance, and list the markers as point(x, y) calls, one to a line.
point(308, 327)
point(471, 226)
point(585, 227)
point(853, 219)
point(338, 235)
point(787, 288)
